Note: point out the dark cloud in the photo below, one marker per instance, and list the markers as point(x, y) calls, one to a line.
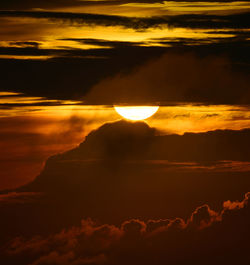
point(127, 140)
point(176, 77)
point(27, 142)
point(32, 49)
point(30, 44)
point(48, 4)
point(127, 170)
point(106, 43)
point(71, 75)
point(72, 72)
point(114, 76)
point(68, 72)
point(239, 38)
point(233, 21)
point(122, 158)
point(204, 237)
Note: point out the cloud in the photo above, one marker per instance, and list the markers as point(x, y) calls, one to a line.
point(126, 141)
point(55, 4)
point(48, 4)
point(132, 183)
point(136, 241)
point(175, 78)
point(77, 69)
point(19, 197)
point(232, 21)
point(27, 141)
point(137, 172)
point(203, 216)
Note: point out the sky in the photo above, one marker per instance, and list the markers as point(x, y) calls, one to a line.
point(79, 183)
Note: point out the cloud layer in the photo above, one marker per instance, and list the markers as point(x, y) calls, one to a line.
point(136, 193)
point(206, 236)
point(231, 21)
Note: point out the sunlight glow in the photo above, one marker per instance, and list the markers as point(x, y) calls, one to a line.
point(136, 112)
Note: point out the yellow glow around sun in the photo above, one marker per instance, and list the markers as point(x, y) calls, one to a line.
point(136, 113)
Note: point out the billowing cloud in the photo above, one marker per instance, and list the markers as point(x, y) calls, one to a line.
point(136, 193)
point(200, 237)
point(126, 170)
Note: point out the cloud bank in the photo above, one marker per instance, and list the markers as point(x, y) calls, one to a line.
point(136, 193)
point(206, 236)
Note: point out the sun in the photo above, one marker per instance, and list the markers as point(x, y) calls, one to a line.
point(136, 113)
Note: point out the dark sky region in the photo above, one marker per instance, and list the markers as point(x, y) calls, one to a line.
point(80, 184)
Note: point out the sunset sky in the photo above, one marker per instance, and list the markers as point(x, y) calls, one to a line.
point(84, 178)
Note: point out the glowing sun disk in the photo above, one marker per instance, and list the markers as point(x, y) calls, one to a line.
point(136, 112)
